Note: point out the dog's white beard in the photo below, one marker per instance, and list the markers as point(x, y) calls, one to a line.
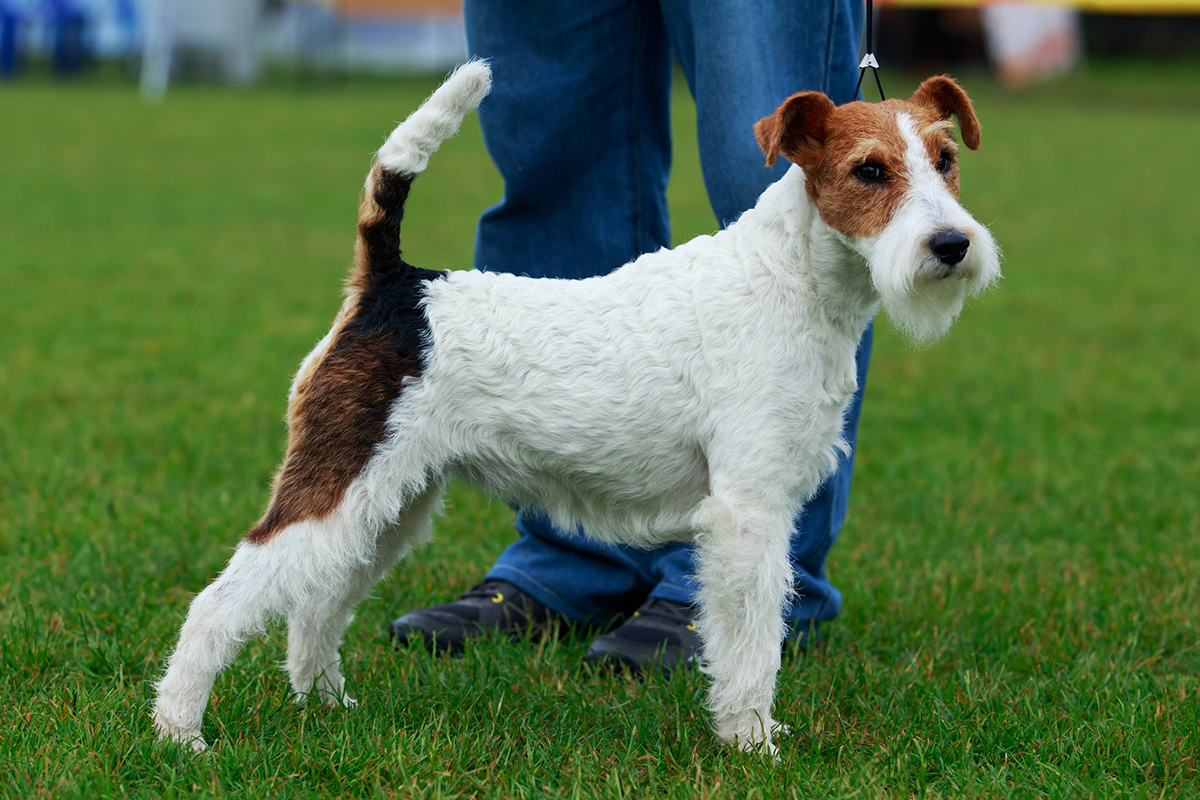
point(924, 307)
point(921, 295)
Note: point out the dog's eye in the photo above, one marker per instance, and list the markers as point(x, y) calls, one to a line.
point(870, 173)
point(945, 163)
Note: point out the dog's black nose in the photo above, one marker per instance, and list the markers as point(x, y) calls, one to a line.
point(950, 247)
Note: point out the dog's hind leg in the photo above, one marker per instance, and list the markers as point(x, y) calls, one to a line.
point(315, 629)
point(234, 607)
point(312, 571)
point(745, 579)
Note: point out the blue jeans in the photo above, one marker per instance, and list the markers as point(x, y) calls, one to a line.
point(578, 124)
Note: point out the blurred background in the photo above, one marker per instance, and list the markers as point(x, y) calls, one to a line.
point(179, 182)
point(237, 41)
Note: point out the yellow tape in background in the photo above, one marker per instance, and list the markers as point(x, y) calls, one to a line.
point(1099, 6)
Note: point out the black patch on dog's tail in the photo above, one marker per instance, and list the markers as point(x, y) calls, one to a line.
point(380, 214)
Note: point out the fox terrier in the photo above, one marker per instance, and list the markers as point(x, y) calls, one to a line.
point(694, 394)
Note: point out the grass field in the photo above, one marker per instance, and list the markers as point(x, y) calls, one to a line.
point(1020, 564)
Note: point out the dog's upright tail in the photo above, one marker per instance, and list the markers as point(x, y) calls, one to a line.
point(404, 156)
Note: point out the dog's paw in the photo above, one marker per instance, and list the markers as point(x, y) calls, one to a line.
point(181, 734)
point(329, 698)
point(756, 737)
point(331, 691)
point(764, 746)
point(328, 689)
point(342, 700)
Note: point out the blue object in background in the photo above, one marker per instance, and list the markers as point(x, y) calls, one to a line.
point(68, 26)
point(129, 23)
point(10, 22)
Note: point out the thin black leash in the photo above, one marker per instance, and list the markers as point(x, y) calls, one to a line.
point(869, 59)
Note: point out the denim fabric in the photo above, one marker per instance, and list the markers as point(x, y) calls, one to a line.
point(578, 125)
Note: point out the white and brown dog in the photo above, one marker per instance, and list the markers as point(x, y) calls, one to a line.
point(693, 394)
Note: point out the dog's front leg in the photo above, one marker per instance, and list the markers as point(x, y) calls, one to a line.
point(745, 579)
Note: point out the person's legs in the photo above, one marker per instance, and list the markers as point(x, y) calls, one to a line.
point(580, 578)
point(797, 47)
point(578, 123)
point(578, 126)
point(742, 60)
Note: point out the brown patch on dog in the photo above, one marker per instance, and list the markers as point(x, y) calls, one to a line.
point(832, 143)
point(937, 128)
point(373, 244)
point(934, 132)
point(796, 129)
point(337, 417)
point(857, 135)
point(946, 98)
point(310, 364)
point(338, 412)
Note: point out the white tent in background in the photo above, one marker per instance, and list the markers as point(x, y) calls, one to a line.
point(384, 36)
point(225, 28)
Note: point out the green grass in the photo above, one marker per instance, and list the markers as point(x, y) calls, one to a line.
point(1020, 564)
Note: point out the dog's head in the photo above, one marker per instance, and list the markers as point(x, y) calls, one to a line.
point(884, 176)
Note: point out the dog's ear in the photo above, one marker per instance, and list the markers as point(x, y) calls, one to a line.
point(797, 128)
point(946, 98)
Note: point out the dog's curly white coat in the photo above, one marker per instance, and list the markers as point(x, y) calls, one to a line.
point(694, 394)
